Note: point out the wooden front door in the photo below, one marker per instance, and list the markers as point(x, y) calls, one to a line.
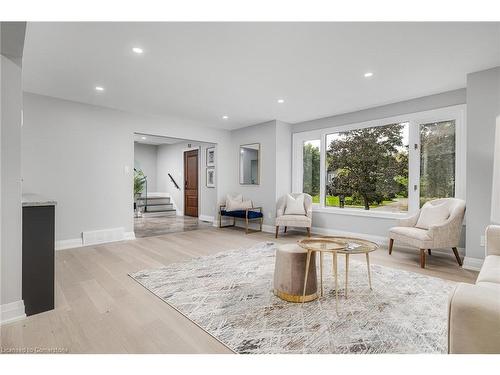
point(191, 183)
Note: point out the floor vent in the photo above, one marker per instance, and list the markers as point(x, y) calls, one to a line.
point(103, 236)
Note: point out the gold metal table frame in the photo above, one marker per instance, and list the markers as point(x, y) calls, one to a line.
point(336, 245)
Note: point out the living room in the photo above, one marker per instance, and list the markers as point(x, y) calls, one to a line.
point(250, 187)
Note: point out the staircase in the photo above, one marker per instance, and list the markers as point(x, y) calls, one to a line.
point(156, 204)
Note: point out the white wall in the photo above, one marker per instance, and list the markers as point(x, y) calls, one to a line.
point(11, 305)
point(275, 139)
point(208, 204)
point(483, 106)
point(79, 154)
point(283, 158)
point(264, 194)
point(145, 157)
point(171, 160)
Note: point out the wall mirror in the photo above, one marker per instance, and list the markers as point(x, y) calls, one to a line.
point(250, 164)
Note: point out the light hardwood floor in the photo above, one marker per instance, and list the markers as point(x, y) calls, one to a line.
point(100, 309)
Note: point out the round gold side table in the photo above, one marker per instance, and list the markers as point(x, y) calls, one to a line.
point(336, 245)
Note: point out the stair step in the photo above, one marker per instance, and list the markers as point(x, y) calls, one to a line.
point(149, 204)
point(169, 213)
point(158, 209)
point(154, 200)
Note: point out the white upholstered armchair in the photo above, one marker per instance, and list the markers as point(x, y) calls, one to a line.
point(294, 210)
point(437, 224)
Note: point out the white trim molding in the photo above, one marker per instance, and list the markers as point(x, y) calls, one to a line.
point(129, 236)
point(96, 237)
point(360, 212)
point(68, 244)
point(78, 242)
point(473, 264)
point(209, 219)
point(380, 240)
point(12, 312)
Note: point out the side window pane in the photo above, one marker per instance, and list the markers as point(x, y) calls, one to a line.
point(311, 167)
point(437, 161)
point(368, 168)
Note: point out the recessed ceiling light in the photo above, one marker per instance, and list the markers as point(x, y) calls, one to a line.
point(225, 117)
point(138, 50)
point(368, 74)
point(99, 88)
point(281, 101)
point(144, 138)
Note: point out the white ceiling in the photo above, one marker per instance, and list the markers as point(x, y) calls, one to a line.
point(203, 71)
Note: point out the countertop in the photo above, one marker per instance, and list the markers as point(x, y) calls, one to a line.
point(33, 200)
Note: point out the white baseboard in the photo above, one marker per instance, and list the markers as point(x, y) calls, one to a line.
point(12, 312)
point(129, 236)
point(268, 228)
point(69, 244)
point(77, 242)
point(100, 236)
point(206, 218)
point(473, 264)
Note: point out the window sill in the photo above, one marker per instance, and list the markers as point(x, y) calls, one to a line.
point(360, 212)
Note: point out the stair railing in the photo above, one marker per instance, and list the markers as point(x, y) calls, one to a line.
point(175, 183)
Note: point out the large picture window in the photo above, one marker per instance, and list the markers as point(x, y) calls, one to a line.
point(386, 167)
point(368, 168)
point(311, 169)
point(437, 160)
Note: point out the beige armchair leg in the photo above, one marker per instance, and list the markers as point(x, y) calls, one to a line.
point(457, 255)
point(422, 258)
point(391, 243)
point(277, 230)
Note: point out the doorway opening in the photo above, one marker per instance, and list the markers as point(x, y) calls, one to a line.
point(169, 195)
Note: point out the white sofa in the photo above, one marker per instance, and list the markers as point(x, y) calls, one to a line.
point(474, 310)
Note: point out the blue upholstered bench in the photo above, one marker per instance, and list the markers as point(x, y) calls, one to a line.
point(248, 214)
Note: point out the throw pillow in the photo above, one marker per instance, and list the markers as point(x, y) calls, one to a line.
point(432, 215)
point(295, 206)
point(237, 203)
point(233, 201)
point(246, 204)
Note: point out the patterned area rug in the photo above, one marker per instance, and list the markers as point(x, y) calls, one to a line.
point(230, 296)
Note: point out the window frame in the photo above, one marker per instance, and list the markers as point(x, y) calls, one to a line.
point(456, 113)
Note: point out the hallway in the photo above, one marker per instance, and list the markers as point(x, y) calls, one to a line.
point(156, 226)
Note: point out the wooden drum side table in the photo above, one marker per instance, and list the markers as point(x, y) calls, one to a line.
point(289, 274)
